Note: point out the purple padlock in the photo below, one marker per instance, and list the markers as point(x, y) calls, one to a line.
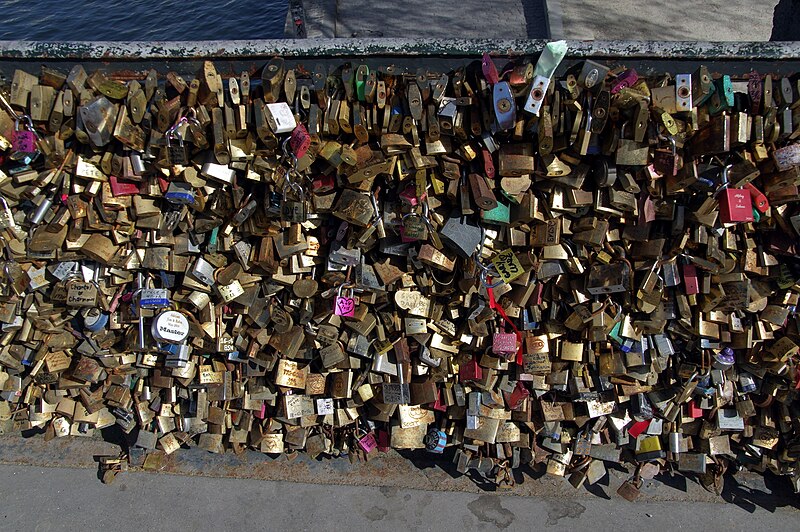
point(343, 305)
point(23, 140)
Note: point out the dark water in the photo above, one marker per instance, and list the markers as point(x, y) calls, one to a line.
point(143, 20)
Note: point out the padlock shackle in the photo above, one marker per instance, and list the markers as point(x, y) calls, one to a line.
point(724, 181)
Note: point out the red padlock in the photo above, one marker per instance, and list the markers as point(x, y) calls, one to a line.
point(735, 205)
point(470, 371)
point(690, 280)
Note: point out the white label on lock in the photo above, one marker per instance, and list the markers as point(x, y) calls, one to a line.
point(324, 406)
point(171, 327)
point(280, 117)
point(231, 291)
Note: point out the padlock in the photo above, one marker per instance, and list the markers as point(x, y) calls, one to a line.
point(668, 161)
point(629, 152)
point(176, 151)
point(504, 344)
point(366, 441)
point(293, 210)
point(435, 440)
point(170, 327)
point(344, 305)
point(735, 205)
point(23, 140)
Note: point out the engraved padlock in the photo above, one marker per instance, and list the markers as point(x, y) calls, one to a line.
point(293, 210)
point(176, 151)
point(413, 228)
point(735, 204)
point(345, 305)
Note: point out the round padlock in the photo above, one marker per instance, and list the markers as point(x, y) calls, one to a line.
point(435, 440)
point(171, 327)
point(94, 319)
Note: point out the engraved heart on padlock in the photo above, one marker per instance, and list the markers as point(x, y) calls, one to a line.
point(345, 306)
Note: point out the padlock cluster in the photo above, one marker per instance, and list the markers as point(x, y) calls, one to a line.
point(560, 264)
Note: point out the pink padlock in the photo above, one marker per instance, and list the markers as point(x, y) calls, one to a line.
point(367, 442)
point(409, 196)
point(23, 140)
point(300, 141)
point(504, 344)
point(343, 305)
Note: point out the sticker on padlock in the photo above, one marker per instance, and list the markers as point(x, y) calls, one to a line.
point(170, 326)
point(153, 298)
point(345, 305)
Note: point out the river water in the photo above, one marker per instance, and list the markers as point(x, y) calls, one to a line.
point(141, 20)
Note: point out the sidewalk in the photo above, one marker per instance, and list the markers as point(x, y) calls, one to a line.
point(653, 20)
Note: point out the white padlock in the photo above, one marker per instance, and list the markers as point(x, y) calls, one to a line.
point(280, 117)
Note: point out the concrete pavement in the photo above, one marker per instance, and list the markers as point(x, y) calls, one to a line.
point(653, 20)
point(35, 498)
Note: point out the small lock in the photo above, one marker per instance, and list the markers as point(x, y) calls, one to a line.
point(414, 228)
point(435, 440)
point(293, 211)
point(345, 305)
point(81, 293)
point(367, 441)
point(668, 161)
point(180, 193)
point(735, 204)
point(94, 319)
point(504, 344)
point(176, 152)
point(23, 140)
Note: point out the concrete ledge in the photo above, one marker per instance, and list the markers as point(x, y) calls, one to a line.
point(331, 48)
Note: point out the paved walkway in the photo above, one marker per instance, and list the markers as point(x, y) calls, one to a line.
point(654, 20)
point(59, 499)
